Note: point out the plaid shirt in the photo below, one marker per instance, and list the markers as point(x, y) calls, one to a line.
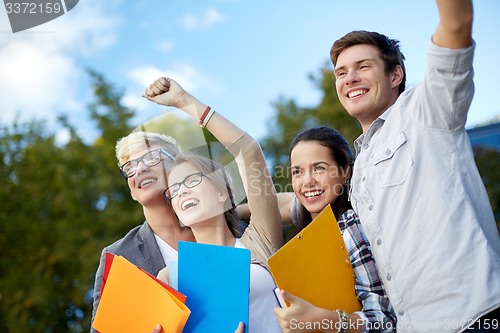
point(378, 314)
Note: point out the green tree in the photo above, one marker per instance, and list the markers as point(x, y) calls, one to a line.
point(61, 204)
point(290, 119)
point(488, 160)
point(47, 200)
point(118, 212)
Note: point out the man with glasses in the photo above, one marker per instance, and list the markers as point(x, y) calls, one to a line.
point(145, 160)
point(150, 159)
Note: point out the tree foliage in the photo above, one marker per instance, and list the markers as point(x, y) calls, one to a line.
point(488, 160)
point(60, 205)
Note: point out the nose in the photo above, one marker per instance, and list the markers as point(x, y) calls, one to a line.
point(351, 77)
point(141, 166)
point(309, 179)
point(183, 190)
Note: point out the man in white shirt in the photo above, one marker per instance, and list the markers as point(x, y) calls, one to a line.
point(415, 186)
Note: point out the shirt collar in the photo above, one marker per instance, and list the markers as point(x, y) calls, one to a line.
point(374, 127)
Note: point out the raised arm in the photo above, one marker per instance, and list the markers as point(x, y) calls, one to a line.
point(166, 91)
point(454, 30)
point(259, 187)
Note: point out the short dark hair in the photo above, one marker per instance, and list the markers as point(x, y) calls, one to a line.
point(390, 52)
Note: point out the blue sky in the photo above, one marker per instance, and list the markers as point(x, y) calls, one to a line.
point(239, 56)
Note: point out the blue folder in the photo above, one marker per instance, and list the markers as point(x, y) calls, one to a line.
point(216, 281)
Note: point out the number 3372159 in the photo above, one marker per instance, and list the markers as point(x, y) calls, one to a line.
point(33, 8)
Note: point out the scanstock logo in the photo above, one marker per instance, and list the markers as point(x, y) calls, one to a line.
point(26, 14)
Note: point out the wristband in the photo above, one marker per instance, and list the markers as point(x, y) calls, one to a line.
point(205, 117)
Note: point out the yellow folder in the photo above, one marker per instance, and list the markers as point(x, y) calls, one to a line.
point(134, 301)
point(315, 266)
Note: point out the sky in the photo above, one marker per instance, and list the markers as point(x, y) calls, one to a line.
point(239, 56)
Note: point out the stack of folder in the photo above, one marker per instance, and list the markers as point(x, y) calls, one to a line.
point(214, 287)
point(134, 301)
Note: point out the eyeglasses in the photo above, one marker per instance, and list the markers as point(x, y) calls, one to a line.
point(190, 181)
point(151, 158)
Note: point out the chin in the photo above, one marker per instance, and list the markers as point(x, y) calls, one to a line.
point(187, 220)
point(315, 208)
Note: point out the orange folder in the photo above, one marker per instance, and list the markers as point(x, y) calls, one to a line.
point(135, 301)
point(315, 266)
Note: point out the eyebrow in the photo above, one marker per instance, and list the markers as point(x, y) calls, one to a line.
point(314, 164)
point(356, 63)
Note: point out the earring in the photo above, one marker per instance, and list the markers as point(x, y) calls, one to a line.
point(346, 181)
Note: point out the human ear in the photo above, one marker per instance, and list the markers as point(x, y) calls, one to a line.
point(397, 76)
point(346, 172)
point(222, 197)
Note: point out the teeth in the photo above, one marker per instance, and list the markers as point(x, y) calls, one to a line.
point(189, 203)
point(146, 182)
point(313, 194)
point(356, 93)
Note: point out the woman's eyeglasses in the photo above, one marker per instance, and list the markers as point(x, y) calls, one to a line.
point(190, 181)
point(151, 158)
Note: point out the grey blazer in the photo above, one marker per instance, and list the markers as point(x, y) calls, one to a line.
point(140, 248)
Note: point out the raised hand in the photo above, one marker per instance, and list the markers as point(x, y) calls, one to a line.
point(165, 91)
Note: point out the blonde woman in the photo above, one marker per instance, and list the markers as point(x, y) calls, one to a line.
point(200, 193)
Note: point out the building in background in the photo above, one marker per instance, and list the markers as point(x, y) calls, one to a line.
point(487, 136)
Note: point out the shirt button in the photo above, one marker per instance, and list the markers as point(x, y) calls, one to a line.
point(389, 277)
point(387, 151)
point(364, 178)
point(370, 207)
point(379, 241)
point(401, 312)
point(365, 146)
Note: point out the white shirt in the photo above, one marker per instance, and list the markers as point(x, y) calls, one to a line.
point(262, 299)
point(423, 205)
point(168, 253)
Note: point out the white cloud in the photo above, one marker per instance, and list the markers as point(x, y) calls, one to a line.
point(63, 136)
point(40, 76)
point(143, 76)
point(165, 46)
point(188, 76)
point(210, 18)
point(35, 80)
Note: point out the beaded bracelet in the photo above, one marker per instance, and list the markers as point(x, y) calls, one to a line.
point(343, 321)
